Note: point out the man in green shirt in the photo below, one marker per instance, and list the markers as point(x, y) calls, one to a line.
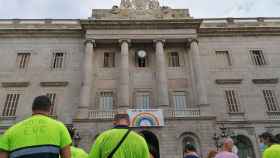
point(133, 146)
point(273, 150)
point(39, 136)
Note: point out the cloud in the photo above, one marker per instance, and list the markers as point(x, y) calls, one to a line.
point(82, 8)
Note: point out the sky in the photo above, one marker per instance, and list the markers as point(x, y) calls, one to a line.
point(81, 9)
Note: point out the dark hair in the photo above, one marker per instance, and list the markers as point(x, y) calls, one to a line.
point(121, 116)
point(152, 150)
point(270, 137)
point(41, 103)
point(190, 147)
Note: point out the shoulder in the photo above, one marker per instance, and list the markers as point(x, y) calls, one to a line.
point(137, 136)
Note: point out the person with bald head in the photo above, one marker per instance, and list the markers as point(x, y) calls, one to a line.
point(227, 150)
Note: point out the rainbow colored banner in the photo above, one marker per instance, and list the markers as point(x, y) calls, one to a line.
point(146, 117)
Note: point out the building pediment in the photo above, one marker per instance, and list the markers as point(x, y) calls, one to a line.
point(266, 81)
point(228, 81)
point(15, 84)
point(54, 84)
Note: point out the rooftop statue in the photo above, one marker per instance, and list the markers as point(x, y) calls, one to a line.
point(139, 4)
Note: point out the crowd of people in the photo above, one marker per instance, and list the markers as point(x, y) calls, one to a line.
point(40, 136)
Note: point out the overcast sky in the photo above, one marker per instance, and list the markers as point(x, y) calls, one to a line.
point(82, 8)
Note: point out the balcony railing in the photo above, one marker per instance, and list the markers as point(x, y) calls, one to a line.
point(182, 113)
point(171, 113)
point(101, 114)
point(273, 115)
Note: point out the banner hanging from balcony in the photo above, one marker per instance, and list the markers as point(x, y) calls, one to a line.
point(146, 117)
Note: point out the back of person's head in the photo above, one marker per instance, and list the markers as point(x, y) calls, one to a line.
point(121, 119)
point(268, 138)
point(212, 154)
point(41, 103)
point(228, 144)
point(190, 148)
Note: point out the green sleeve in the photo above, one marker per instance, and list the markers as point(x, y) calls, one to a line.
point(146, 152)
point(4, 142)
point(95, 149)
point(65, 138)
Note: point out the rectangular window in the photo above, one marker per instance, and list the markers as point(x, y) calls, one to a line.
point(11, 103)
point(232, 100)
point(223, 58)
point(257, 57)
point(109, 59)
point(141, 60)
point(143, 100)
point(52, 97)
point(106, 101)
point(58, 60)
point(174, 60)
point(270, 100)
point(179, 100)
point(23, 60)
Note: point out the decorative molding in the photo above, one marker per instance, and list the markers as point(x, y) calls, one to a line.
point(92, 41)
point(15, 84)
point(54, 84)
point(228, 81)
point(266, 81)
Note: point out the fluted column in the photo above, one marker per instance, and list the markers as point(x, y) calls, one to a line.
point(196, 61)
point(87, 69)
point(124, 75)
point(162, 84)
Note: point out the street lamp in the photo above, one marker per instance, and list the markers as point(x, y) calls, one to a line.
point(224, 133)
point(77, 138)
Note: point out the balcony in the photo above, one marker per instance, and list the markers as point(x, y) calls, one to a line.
point(188, 112)
point(273, 115)
point(101, 114)
point(170, 113)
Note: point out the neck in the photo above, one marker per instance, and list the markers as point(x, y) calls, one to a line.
point(40, 113)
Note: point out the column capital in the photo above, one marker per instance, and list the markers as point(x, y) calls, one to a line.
point(191, 40)
point(92, 41)
point(124, 40)
point(159, 40)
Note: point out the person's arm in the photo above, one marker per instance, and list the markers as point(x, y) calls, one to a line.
point(65, 152)
point(3, 154)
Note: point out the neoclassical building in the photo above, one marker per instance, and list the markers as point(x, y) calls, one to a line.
point(194, 75)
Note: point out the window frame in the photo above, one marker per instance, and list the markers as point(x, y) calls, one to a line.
point(111, 63)
point(274, 98)
point(101, 107)
point(171, 60)
point(54, 60)
point(255, 59)
point(227, 58)
point(234, 103)
point(26, 59)
point(146, 59)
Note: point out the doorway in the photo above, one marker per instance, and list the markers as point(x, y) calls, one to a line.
point(152, 142)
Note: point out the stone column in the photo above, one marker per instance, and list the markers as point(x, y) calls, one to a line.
point(87, 69)
point(162, 84)
point(199, 82)
point(124, 75)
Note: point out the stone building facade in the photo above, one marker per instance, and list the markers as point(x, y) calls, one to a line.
point(202, 73)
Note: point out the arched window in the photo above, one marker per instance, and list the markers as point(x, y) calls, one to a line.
point(245, 147)
point(189, 138)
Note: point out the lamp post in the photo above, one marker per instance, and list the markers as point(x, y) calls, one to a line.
point(77, 138)
point(224, 133)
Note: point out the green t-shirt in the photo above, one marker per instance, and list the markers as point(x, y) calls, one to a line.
point(36, 131)
point(2, 145)
point(272, 152)
point(134, 146)
point(78, 153)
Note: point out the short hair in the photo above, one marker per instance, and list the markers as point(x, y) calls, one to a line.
point(121, 116)
point(228, 141)
point(190, 147)
point(41, 103)
point(268, 136)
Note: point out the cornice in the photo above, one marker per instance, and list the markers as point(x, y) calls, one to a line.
point(239, 31)
point(142, 24)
